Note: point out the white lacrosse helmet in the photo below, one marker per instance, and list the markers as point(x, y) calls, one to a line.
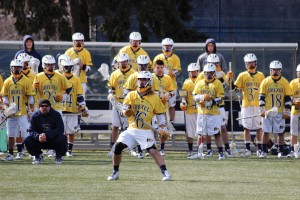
point(147, 75)
point(24, 57)
point(67, 65)
point(275, 65)
point(48, 59)
point(77, 36)
point(166, 42)
point(298, 68)
point(250, 57)
point(16, 63)
point(213, 58)
point(122, 57)
point(135, 36)
point(209, 67)
point(143, 59)
point(193, 67)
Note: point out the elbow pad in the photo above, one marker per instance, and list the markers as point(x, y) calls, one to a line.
point(161, 119)
point(262, 100)
point(217, 101)
point(80, 100)
point(287, 102)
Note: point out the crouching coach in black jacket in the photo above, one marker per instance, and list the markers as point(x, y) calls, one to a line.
point(46, 132)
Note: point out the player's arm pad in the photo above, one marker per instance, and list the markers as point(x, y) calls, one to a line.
point(287, 102)
point(217, 101)
point(262, 100)
point(31, 100)
point(80, 100)
point(161, 119)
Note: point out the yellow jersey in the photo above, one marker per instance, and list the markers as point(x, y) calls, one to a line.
point(133, 55)
point(189, 86)
point(295, 87)
point(249, 84)
point(117, 80)
point(131, 83)
point(70, 105)
point(163, 83)
point(171, 63)
point(144, 108)
point(29, 75)
point(84, 56)
point(18, 92)
point(1, 82)
point(275, 92)
point(214, 89)
point(50, 86)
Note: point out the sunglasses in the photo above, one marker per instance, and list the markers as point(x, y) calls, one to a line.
point(44, 106)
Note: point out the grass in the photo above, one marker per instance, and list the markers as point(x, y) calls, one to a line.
point(84, 177)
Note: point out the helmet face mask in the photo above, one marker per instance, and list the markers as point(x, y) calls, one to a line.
point(275, 69)
point(144, 81)
point(250, 62)
point(68, 69)
point(16, 66)
point(193, 70)
point(135, 39)
point(78, 40)
point(48, 63)
point(143, 63)
point(167, 45)
point(209, 71)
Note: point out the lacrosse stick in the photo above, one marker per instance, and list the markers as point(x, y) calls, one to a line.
point(104, 71)
point(9, 111)
point(269, 113)
point(232, 145)
point(201, 145)
point(183, 95)
point(34, 65)
point(76, 67)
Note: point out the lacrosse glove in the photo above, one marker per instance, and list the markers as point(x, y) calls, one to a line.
point(164, 133)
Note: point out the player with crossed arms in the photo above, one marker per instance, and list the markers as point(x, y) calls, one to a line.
point(140, 106)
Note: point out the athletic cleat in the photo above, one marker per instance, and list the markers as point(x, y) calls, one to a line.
point(58, 160)
point(19, 156)
point(166, 175)
point(228, 153)
point(114, 176)
point(162, 152)
point(190, 153)
point(31, 157)
point(133, 153)
point(221, 156)
point(209, 153)
point(147, 154)
point(141, 155)
point(1, 153)
point(258, 153)
point(291, 155)
point(69, 154)
point(51, 153)
point(247, 153)
point(196, 156)
point(9, 157)
point(262, 154)
point(280, 155)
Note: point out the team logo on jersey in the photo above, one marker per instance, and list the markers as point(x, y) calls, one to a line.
point(46, 127)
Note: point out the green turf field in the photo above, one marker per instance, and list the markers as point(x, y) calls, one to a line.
point(84, 177)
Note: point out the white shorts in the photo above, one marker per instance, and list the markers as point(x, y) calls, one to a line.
point(211, 124)
point(253, 123)
point(191, 124)
point(17, 124)
point(83, 89)
point(134, 137)
point(70, 123)
point(116, 120)
point(223, 117)
point(172, 100)
point(294, 125)
point(273, 124)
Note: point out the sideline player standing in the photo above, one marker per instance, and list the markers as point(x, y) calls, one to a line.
point(17, 89)
point(85, 60)
point(249, 82)
point(140, 107)
point(209, 94)
point(274, 91)
point(172, 68)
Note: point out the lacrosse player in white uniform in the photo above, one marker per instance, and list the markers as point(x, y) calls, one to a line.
point(116, 82)
point(295, 86)
point(274, 91)
point(209, 94)
point(17, 89)
point(140, 106)
point(188, 105)
point(249, 82)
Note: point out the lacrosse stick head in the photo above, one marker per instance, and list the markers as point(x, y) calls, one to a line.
point(182, 93)
point(233, 149)
point(10, 110)
point(104, 71)
point(76, 70)
point(34, 64)
point(272, 112)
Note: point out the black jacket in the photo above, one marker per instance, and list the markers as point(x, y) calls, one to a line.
point(51, 124)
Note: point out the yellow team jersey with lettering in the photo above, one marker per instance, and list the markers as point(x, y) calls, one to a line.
point(295, 87)
point(30, 75)
point(18, 92)
point(249, 84)
point(117, 80)
point(1, 82)
point(51, 86)
point(189, 86)
point(70, 105)
point(162, 85)
point(144, 108)
point(171, 63)
point(134, 55)
point(131, 83)
point(84, 56)
point(274, 92)
point(215, 89)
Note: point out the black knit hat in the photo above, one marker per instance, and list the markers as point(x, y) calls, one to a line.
point(44, 101)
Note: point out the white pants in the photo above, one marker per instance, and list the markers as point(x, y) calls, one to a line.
point(253, 123)
point(208, 124)
point(191, 124)
point(17, 126)
point(273, 124)
point(70, 123)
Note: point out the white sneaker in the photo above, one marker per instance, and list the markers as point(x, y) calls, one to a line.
point(258, 153)
point(69, 154)
point(280, 155)
point(190, 153)
point(141, 155)
point(262, 154)
point(291, 155)
point(51, 153)
point(37, 161)
point(196, 156)
point(221, 156)
point(133, 153)
point(162, 152)
point(247, 153)
point(9, 157)
point(147, 154)
point(228, 153)
point(114, 176)
point(166, 176)
point(209, 153)
point(19, 156)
